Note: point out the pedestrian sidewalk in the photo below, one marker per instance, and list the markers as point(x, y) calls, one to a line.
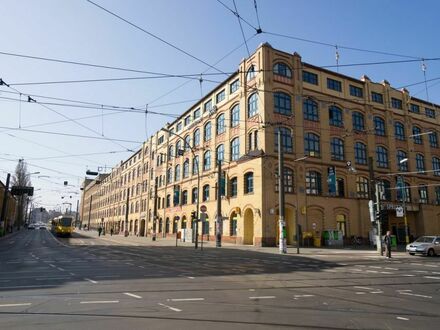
point(291, 250)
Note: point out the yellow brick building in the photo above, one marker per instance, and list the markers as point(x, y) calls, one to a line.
point(328, 117)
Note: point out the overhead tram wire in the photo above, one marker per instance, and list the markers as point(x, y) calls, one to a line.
point(241, 28)
point(257, 15)
point(79, 155)
point(235, 13)
point(154, 36)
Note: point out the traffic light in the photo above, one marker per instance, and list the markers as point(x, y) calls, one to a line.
point(193, 215)
point(381, 215)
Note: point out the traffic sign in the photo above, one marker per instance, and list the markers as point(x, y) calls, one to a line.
point(203, 208)
point(399, 211)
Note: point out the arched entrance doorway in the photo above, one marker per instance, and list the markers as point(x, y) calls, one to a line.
point(183, 222)
point(233, 224)
point(136, 225)
point(131, 226)
point(160, 225)
point(289, 218)
point(142, 228)
point(167, 226)
point(248, 227)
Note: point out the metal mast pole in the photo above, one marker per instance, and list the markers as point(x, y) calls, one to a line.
point(281, 222)
point(219, 227)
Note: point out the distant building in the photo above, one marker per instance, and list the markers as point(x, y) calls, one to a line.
point(328, 117)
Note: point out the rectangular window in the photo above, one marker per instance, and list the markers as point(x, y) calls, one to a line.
point(220, 96)
point(187, 120)
point(396, 103)
point(414, 108)
point(377, 97)
point(196, 113)
point(207, 106)
point(334, 85)
point(179, 126)
point(234, 86)
point(160, 140)
point(310, 77)
point(430, 113)
point(356, 91)
point(234, 187)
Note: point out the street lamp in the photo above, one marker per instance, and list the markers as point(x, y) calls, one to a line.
point(297, 203)
point(198, 181)
point(402, 161)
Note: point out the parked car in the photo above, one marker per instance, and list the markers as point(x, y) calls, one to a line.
point(426, 245)
point(31, 226)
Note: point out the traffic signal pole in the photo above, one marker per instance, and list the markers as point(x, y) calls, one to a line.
point(5, 203)
point(379, 220)
point(281, 222)
point(219, 227)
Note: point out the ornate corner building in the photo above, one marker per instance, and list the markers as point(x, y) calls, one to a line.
point(328, 117)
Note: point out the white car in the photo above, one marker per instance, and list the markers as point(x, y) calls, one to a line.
point(426, 245)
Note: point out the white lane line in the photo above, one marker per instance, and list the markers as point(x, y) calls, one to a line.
point(432, 277)
point(391, 268)
point(141, 266)
point(186, 299)
point(132, 295)
point(129, 263)
point(52, 265)
point(91, 281)
point(365, 288)
point(420, 271)
point(61, 269)
point(100, 302)
point(73, 274)
point(375, 267)
point(169, 307)
point(190, 277)
point(297, 296)
point(387, 273)
point(406, 292)
point(360, 293)
point(263, 297)
point(15, 305)
point(13, 262)
point(402, 318)
point(408, 275)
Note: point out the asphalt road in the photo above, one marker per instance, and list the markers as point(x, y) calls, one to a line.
point(86, 282)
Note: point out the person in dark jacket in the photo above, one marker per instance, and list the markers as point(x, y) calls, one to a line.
point(387, 241)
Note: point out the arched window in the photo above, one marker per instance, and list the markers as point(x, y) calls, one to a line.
point(195, 168)
point(220, 153)
point(286, 139)
point(184, 197)
point(381, 157)
point(205, 196)
point(399, 131)
point(169, 175)
point(433, 139)
point(220, 125)
point(177, 173)
point(362, 187)
point(282, 103)
point(194, 196)
point(207, 160)
point(416, 135)
point(335, 116)
point(310, 110)
point(207, 132)
point(312, 145)
point(178, 147)
point(379, 126)
point(401, 155)
point(420, 163)
point(358, 121)
point(235, 149)
point(423, 194)
point(384, 190)
point(252, 105)
point(235, 115)
point(187, 143)
point(170, 152)
point(313, 183)
point(249, 183)
point(185, 168)
point(250, 74)
point(288, 180)
point(360, 153)
point(253, 140)
point(282, 69)
point(337, 149)
point(196, 138)
point(168, 200)
point(436, 165)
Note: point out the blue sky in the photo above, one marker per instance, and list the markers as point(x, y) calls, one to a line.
point(76, 30)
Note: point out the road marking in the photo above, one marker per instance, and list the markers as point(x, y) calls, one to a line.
point(412, 263)
point(386, 273)
point(296, 296)
point(132, 295)
point(100, 302)
point(130, 264)
point(53, 266)
point(432, 277)
point(379, 291)
point(61, 269)
point(408, 293)
point(91, 281)
point(365, 288)
point(376, 267)
point(107, 276)
point(402, 318)
point(73, 274)
point(169, 307)
point(190, 277)
point(13, 262)
point(420, 271)
point(391, 268)
point(15, 305)
point(252, 290)
point(186, 299)
point(409, 275)
point(51, 278)
point(5, 280)
point(360, 292)
point(263, 297)
point(141, 266)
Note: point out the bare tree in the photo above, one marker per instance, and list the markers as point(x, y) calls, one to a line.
point(21, 178)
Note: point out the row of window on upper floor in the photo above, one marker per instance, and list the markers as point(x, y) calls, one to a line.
point(336, 85)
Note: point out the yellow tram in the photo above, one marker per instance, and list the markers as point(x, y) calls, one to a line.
point(62, 225)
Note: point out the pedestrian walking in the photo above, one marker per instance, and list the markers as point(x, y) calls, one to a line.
point(111, 231)
point(387, 241)
point(99, 230)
